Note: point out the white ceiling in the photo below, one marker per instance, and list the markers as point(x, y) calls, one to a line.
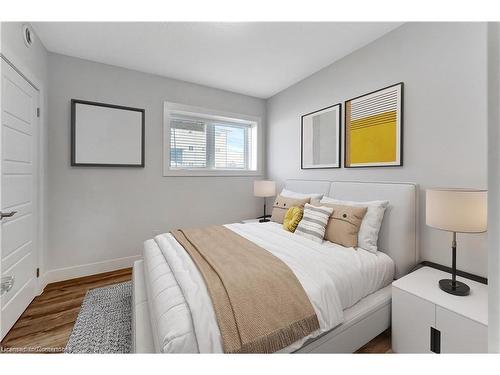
point(258, 59)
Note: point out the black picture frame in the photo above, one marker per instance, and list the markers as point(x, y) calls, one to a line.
point(401, 111)
point(339, 141)
point(74, 163)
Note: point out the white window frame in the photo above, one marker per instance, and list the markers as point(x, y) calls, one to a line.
point(191, 111)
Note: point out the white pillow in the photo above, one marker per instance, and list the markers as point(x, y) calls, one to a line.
point(314, 222)
point(370, 226)
point(292, 194)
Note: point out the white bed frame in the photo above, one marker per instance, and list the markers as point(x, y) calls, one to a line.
point(371, 315)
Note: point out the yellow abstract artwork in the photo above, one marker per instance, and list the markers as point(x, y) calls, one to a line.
point(373, 129)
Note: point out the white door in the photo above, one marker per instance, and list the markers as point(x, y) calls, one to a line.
point(18, 194)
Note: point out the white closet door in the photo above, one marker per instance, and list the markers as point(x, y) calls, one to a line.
point(18, 194)
point(460, 334)
point(412, 319)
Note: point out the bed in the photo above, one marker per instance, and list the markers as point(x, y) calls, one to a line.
point(349, 290)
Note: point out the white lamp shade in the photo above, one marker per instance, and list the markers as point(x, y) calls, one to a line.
point(457, 210)
point(264, 188)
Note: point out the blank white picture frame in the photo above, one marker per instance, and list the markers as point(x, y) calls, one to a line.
point(106, 135)
point(320, 138)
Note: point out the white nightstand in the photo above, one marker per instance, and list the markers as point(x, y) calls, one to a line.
point(249, 221)
point(425, 319)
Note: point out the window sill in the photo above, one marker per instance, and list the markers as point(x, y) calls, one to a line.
point(209, 173)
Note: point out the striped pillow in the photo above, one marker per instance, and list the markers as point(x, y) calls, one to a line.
point(314, 221)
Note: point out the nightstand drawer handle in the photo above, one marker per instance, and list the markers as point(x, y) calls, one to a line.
point(435, 340)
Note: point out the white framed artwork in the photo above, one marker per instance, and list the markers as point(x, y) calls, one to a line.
point(320, 138)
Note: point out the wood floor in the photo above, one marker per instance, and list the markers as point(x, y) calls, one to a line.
point(46, 324)
point(380, 344)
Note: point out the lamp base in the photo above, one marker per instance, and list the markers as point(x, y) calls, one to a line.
point(459, 289)
point(264, 220)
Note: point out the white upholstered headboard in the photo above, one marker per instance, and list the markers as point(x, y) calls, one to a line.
point(397, 236)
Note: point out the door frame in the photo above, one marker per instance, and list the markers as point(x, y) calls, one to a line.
point(39, 165)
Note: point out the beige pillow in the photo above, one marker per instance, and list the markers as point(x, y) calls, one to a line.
point(282, 204)
point(344, 223)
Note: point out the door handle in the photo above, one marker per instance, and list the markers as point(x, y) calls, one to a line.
point(6, 284)
point(7, 214)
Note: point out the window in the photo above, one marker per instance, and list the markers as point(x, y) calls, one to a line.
point(187, 143)
point(208, 143)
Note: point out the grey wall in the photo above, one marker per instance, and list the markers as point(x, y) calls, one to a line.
point(443, 66)
point(98, 214)
point(494, 187)
point(33, 60)
point(33, 63)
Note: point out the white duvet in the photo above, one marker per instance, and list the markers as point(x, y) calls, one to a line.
point(182, 315)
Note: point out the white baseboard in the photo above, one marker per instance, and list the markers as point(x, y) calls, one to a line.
point(61, 274)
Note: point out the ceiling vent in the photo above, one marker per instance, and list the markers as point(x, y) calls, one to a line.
point(27, 36)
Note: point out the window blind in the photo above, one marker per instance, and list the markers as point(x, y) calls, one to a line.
point(197, 143)
point(188, 142)
point(230, 147)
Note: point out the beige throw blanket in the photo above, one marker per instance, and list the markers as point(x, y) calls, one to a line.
point(260, 305)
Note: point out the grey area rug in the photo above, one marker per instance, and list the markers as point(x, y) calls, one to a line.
point(104, 324)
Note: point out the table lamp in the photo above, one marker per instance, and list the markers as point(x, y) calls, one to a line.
point(456, 210)
point(264, 189)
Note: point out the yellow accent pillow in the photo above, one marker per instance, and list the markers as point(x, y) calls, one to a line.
point(292, 218)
